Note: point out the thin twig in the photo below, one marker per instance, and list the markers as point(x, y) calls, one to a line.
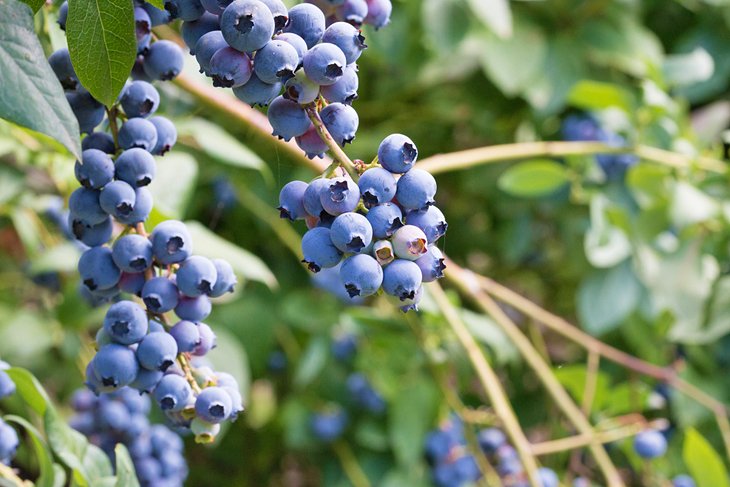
point(324, 134)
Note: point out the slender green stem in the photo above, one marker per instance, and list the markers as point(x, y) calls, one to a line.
point(349, 464)
point(490, 382)
point(324, 134)
point(111, 115)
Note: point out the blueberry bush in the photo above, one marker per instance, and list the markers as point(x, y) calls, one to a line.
point(444, 243)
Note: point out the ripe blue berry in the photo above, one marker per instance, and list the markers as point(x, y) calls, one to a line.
point(345, 89)
point(7, 386)
point(187, 10)
point(353, 11)
point(364, 395)
point(376, 186)
point(402, 278)
point(166, 135)
point(8, 442)
point(142, 207)
point(91, 235)
point(397, 153)
point(206, 47)
point(490, 439)
point(683, 481)
point(62, 15)
point(97, 269)
point(291, 204)
point(279, 11)
point(431, 264)
point(114, 366)
point(276, 61)
point(318, 249)
point(348, 38)
point(301, 89)
point(416, 190)
point(308, 22)
point(341, 196)
point(131, 282)
point(99, 141)
point(385, 219)
point(324, 63)
point(225, 278)
point(84, 205)
point(163, 61)
point(344, 347)
point(193, 309)
point(60, 62)
point(193, 31)
point(287, 118)
point(361, 275)
point(296, 42)
point(351, 232)
point(409, 242)
point(256, 92)
point(160, 295)
point(132, 253)
point(186, 336)
point(157, 351)
point(207, 340)
point(97, 169)
point(311, 143)
point(650, 444)
point(230, 68)
point(311, 200)
point(172, 393)
point(247, 25)
point(379, 13)
point(125, 322)
point(146, 380)
point(118, 199)
point(157, 16)
point(171, 242)
point(431, 221)
point(328, 426)
point(196, 276)
point(140, 99)
point(215, 7)
point(213, 405)
point(136, 167)
point(142, 28)
point(341, 121)
point(88, 111)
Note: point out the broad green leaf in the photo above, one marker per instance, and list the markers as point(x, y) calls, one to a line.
point(535, 178)
point(607, 297)
point(102, 44)
point(30, 390)
point(688, 69)
point(486, 331)
point(244, 263)
point(34, 4)
point(495, 14)
point(42, 452)
point(230, 356)
point(126, 475)
point(690, 205)
point(704, 464)
point(43, 107)
point(564, 67)
point(61, 258)
point(176, 170)
point(648, 183)
point(596, 95)
point(312, 361)
point(605, 245)
point(573, 378)
point(157, 3)
point(410, 416)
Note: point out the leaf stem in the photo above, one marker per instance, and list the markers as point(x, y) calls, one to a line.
point(349, 464)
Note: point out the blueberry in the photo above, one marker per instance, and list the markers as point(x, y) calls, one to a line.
point(131, 282)
point(8, 442)
point(295, 41)
point(157, 351)
point(344, 347)
point(548, 477)
point(125, 322)
point(291, 204)
point(578, 128)
point(402, 279)
point(207, 340)
point(683, 481)
point(230, 68)
point(247, 25)
point(378, 13)
point(163, 61)
point(650, 444)
point(113, 415)
point(318, 249)
point(142, 207)
point(118, 199)
point(352, 233)
point(213, 405)
point(385, 219)
point(225, 278)
point(215, 7)
point(287, 118)
point(361, 275)
point(324, 63)
point(157, 16)
point(139, 99)
point(196, 276)
point(138, 132)
point(311, 143)
point(160, 295)
point(98, 270)
point(166, 135)
point(84, 205)
point(256, 92)
point(444, 475)
point(308, 22)
point(348, 38)
point(301, 89)
point(345, 89)
point(236, 401)
point(172, 393)
point(99, 141)
point(138, 73)
point(7, 386)
point(341, 122)
point(431, 221)
point(186, 335)
point(329, 425)
point(91, 235)
point(341, 196)
point(397, 153)
point(432, 264)
point(171, 242)
point(353, 11)
point(364, 394)
point(277, 361)
point(88, 111)
point(115, 366)
point(376, 186)
point(207, 45)
point(193, 309)
point(142, 28)
point(438, 445)
point(279, 11)
point(276, 61)
point(60, 62)
point(62, 15)
point(416, 190)
point(132, 253)
point(409, 242)
point(96, 168)
point(193, 31)
point(187, 10)
point(311, 200)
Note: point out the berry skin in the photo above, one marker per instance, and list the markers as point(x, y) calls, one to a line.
point(683, 481)
point(196, 276)
point(345, 89)
point(60, 62)
point(84, 205)
point(256, 92)
point(163, 61)
point(301, 89)
point(142, 28)
point(397, 153)
point(187, 10)
point(114, 366)
point(172, 393)
point(125, 322)
point(409, 242)
point(379, 13)
point(548, 477)
point(296, 42)
point(416, 190)
point(230, 68)
point(311, 143)
point(138, 132)
point(62, 15)
point(135, 167)
point(344, 347)
point(99, 141)
point(311, 200)
point(213, 405)
point(193, 31)
point(98, 270)
point(353, 11)
point(193, 309)
point(97, 169)
point(324, 63)
point(7, 386)
point(160, 295)
point(431, 221)
point(207, 340)
point(206, 47)
point(431, 264)
point(276, 61)
point(341, 196)
point(361, 275)
point(348, 38)
point(225, 278)
point(401, 279)
point(215, 7)
point(287, 118)
point(166, 135)
point(318, 249)
point(650, 444)
point(157, 16)
point(91, 235)
point(279, 11)
point(291, 204)
point(140, 99)
point(186, 336)
point(247, 25)
point(146, 380)
point(88, 111)
point(142, 207)
point(385, 219)
point(364, 394)
point(376, 186)
point(341, 121)
point(308, 22)
point(131, 282)
point(157, 351)
point(171, 242)
point(328, 426)
point(352, 233)
point(8, 442)
point(490, 439)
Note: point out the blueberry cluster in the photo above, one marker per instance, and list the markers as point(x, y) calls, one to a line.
point(378, 232)
point(9, 441)
point(586, 128)
point(121, 417)
point(445, 448)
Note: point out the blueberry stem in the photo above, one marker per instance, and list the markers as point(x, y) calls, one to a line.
point(111, 114)
point(352, 469)
point(339, 155)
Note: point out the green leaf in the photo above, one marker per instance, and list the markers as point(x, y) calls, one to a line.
point(704, 464)
point(690, 205)
point(535, 178)
point(25, 71)
point(605, 244)
point(607, 297)
point(126, 475)
point(157, 3)
point(30, 390)
point(176, 170)
point(411, 416)
point(230, 356)
point(573, 378)
point(312, 362)
point(61, 258)
point(102, 44)
point(688, 69)
point(495, 14)
point(244, 263)
point(595, 95)
point(35, 5)
point(42, 452)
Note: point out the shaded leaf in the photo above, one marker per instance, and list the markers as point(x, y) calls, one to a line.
point(410, 417)
point(607, 297)
point(176, 170)
point(704, 464)
point(42, 452)
point(30, 390)
point(312, 361)
point(596, 95)
point(495, 14)
point(126, 475)
point(535, 178)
